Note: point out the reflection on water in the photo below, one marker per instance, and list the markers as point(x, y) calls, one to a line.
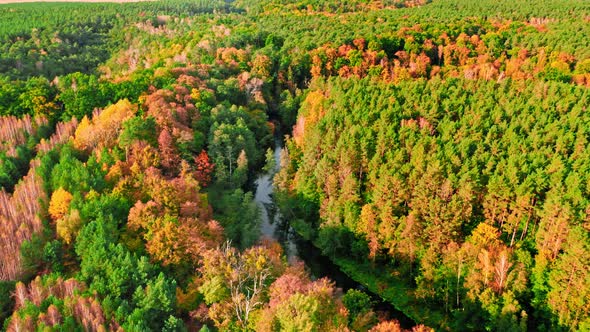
point(272, 225)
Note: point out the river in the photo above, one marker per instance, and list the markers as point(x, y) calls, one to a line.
point(319, 266)
point(271, 218)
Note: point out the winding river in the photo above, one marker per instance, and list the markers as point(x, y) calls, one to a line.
point(274, 227)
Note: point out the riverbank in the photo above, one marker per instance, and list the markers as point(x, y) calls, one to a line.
point(322, 266)
point(379, 282)
point(298, 247)
point(391, 290)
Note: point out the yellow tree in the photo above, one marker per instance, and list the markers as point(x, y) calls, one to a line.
point(68, 226)
point(104, 127)
point(59, 204)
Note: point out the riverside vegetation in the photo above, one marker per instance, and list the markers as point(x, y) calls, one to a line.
point(436, 151)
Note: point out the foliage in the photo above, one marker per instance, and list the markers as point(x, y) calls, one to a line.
point(437, 154)
point(461, 165)
point(59, 203)
point(240, 217)
point(235, 283)
point(6, 288)
point(138, 128)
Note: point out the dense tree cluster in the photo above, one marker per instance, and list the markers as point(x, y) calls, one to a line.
point(473, 188)
point(437, 156)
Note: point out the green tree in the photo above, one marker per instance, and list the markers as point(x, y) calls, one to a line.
point(240, 217)
point(138, 128)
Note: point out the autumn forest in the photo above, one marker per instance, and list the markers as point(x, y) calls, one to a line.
point(295, 165)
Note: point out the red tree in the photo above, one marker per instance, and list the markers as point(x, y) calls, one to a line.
point(168, 154)
point(204, 168)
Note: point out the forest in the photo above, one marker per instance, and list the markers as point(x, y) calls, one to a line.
point(435, 152)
